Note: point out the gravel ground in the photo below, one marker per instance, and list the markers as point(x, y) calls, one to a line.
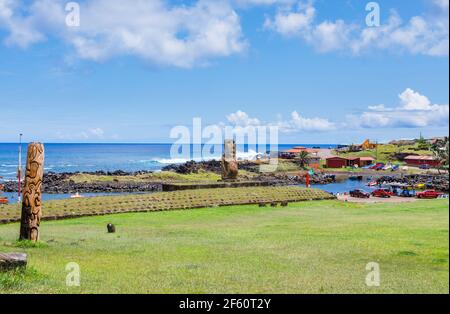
point(394, 199)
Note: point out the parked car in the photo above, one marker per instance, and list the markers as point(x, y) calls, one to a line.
point(383, 193)
point(395, 167)
point(428, 194)
point(378, 166)
point(359, 194)
point(407, 193)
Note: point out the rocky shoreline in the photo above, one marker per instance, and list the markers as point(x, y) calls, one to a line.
point(61, 183)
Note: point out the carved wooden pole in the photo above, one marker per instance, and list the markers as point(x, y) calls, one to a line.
point(31, 201)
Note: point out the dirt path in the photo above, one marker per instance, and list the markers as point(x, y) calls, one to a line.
point(372, 200)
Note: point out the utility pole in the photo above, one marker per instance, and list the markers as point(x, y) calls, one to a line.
point(19, 171)
point(376, 149)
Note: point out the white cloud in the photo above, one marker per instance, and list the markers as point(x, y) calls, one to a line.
point(97, 132)
point(329, 36)
point(290, 23)
point(296, 123)
point(242, 119)
point(167, 33)
point(300, 123)
point(427, 34)
point(378, 108)
point(411, 100)
point(414, 111)
point(177, 35)
point(441, 3)
point(5, 9)
point(22, 30)
point(89, 134)
point(267, 3)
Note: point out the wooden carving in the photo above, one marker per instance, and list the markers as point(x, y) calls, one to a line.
point(31, 197)
point(229, 161)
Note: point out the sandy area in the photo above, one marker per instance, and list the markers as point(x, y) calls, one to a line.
point(394, 199)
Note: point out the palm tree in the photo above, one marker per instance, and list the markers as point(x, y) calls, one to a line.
point(303, 159)
point(440, 151)
point(422, 143)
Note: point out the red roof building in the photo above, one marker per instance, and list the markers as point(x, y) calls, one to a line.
point(295, 151)
point(341, 162)
point(422, 160)
point(336, 162)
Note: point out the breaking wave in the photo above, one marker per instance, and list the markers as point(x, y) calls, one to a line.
point(250, 155)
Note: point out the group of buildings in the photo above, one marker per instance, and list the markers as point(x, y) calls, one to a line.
point(316, 155)
point(412, 160)
point(313, 159)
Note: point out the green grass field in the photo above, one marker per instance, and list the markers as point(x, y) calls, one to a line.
point(308, 247)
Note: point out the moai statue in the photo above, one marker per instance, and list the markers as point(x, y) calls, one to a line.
point(229, 161)
point(31, 200)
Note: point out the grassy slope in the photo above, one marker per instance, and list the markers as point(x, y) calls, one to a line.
point(73, 208)
point(386, 150)
point(311, 247)
point(164, 176)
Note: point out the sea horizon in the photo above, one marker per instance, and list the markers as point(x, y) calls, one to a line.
point(92, 157)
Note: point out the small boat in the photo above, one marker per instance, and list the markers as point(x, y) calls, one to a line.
point(76, 195)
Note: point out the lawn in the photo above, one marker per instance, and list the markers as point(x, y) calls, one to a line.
point(308, 247)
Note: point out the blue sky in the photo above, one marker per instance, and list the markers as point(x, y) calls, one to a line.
point(313, 68)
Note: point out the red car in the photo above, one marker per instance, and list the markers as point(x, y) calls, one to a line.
point(382, 193)
point(378, 166)
point(359, 194)
point(428, 194)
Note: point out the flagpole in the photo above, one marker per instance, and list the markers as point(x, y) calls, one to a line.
point(19, 171)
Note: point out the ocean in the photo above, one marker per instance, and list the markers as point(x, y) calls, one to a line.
point(108, 157)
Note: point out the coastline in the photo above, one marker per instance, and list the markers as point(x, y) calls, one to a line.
point(195, 175)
